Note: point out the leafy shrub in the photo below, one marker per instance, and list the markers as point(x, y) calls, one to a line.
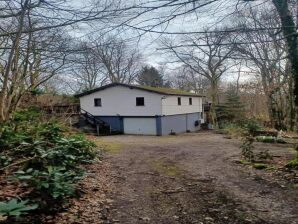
point(49, 162)
point(13, 208)
point(56, 182)
point(233, 130)
point(247, 148)
point(27, 115)
point(5, 160)
point(242, 127)
point(77, 146)
point(10, 138)
point(49, 131)
point(54, 168)
point(250, 125)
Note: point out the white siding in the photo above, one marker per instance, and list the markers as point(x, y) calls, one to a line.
point(140, 126)
point(170, 105)
point(119, 100)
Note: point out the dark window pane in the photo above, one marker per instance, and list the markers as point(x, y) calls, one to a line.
point(140, 101)
point(190, 101)
point(97, 102)
point(179, 100)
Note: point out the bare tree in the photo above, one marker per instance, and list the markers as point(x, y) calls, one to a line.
point(87, 70)
point(268, 56)
point(34, 43)
point(121, 62)
point(158, 16)
point(206, 55)
point(187, 79)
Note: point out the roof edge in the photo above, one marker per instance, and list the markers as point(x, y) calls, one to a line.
point(133, 87)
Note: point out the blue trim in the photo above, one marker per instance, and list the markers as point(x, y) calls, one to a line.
point(158, 126)
point(123, 116)
point(164, 124)
point(121, 124)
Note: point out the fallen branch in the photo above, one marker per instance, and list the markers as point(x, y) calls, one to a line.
point(18, 163)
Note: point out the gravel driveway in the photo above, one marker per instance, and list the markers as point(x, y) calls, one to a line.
point(193, 178)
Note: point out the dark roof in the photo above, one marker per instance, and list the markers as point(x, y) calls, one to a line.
point(159, 90)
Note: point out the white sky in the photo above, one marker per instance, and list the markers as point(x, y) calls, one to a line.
point(216, 14)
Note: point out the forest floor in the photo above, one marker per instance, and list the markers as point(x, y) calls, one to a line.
point(187, 178)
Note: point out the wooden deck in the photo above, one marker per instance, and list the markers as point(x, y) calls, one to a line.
point(69, 109)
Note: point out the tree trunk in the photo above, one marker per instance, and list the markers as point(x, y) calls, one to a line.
point(12, 61)
point(292, 118)
point(290, 34)
point(214, 94)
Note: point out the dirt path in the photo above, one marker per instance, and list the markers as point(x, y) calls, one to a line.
point(192, 178)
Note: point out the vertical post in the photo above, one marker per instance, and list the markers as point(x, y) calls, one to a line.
point(158, 125)
point(186, 124)
point(97, 129)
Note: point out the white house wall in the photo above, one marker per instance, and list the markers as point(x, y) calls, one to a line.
point(170, 105)
point(119, 100)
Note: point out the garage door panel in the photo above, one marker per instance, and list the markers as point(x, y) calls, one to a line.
point(140, 126)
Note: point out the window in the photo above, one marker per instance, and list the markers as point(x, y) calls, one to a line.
point(179, 100)
point(140, 101)
point(190, 101)
point(97, 102)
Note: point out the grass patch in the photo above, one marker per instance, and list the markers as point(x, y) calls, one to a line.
point(167, 168)
point(233, 131)
point(109, 147)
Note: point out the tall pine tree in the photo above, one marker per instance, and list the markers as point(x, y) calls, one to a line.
point(150, 76)
point(232, 110)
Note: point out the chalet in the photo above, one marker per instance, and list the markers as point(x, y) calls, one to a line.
point(132, 109)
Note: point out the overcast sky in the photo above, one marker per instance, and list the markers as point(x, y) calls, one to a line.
point(211, 16)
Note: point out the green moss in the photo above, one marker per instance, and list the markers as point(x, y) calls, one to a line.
point(266, 139)
point(245, 162)
point(168, 90)
point(167, 168)
point(259, 166)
